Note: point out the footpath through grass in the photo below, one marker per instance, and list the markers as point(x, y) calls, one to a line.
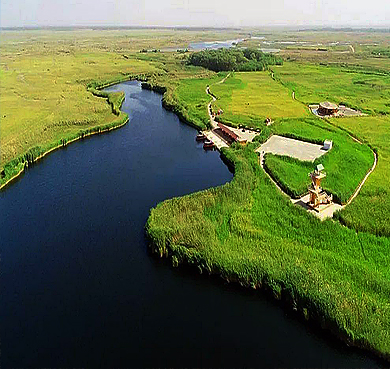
point(370, 211)
point(189, 100)
point(346, 163)
point(249, 232)
point(248, 98)
point(366, 90)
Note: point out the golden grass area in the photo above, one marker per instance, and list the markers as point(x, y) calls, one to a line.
point(250, 97)
point(44, 75)
point(44, 98)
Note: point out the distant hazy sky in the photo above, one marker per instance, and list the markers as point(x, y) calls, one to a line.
point(210, 13)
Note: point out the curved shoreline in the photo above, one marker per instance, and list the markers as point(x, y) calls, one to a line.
point(231, 278)
point(188, 256)
point(294, 304)
point(26, 165)
point(79, 135)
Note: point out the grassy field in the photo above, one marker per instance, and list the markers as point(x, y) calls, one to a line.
point(45, 77)
point(44, 98)
point(359, 49)
point(346, 163)
point(247, 231)
point(368, 91)
point(370, 211)
point(249, 98)
point(291, 174)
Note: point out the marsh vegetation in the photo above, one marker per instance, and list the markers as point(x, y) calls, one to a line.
point(246, 230)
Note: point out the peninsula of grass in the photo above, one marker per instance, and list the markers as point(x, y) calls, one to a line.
point(247, 231)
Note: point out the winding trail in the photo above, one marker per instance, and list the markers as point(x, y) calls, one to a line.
point(365, 178)
point(212, 120)
point(328, 212)
point(208, 92)
point(368, 173)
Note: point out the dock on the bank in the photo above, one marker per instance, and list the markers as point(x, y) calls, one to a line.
point(218, 141)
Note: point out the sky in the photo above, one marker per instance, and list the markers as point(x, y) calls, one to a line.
point(196, 13)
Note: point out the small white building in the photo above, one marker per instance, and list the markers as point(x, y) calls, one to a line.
point(328, 144)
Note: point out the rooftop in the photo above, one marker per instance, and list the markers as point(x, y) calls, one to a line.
point(328, 105)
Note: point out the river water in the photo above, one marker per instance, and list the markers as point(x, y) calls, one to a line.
point(79, 289)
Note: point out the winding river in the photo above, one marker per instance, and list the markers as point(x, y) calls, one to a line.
point(79, 288)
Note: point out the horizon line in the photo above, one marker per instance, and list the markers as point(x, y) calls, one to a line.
point(200, 28)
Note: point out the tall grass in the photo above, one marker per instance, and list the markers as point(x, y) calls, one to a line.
point(370, 210)
point(247, 231)
point(18, 164)
point(346, 163)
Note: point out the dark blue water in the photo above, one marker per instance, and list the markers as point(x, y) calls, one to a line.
point(79, 289)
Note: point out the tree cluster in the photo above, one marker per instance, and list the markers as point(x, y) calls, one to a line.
point(234, 59)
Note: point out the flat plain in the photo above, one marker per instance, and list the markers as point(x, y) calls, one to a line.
point(248, 98)
point(333, 272)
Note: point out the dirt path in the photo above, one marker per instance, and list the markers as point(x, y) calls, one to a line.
point(368, 173)
point(212, 121)
point(208, 92)
point(224, 79)
point(364, 179)
point(261, 156)
point(329, 212)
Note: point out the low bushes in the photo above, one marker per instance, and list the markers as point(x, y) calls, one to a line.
point(234, 59)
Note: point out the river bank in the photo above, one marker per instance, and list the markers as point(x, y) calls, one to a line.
point(296, 306)
point(85, 257)
point(240, 262)
point(17, 166)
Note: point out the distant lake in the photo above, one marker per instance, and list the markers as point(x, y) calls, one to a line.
point(79, 288)
point(212, 45)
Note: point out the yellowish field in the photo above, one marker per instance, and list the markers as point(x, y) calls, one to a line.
point(250, 97)
point(45, 98)
point(44, 77)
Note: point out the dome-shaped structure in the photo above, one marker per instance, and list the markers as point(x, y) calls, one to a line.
point(327, 108)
